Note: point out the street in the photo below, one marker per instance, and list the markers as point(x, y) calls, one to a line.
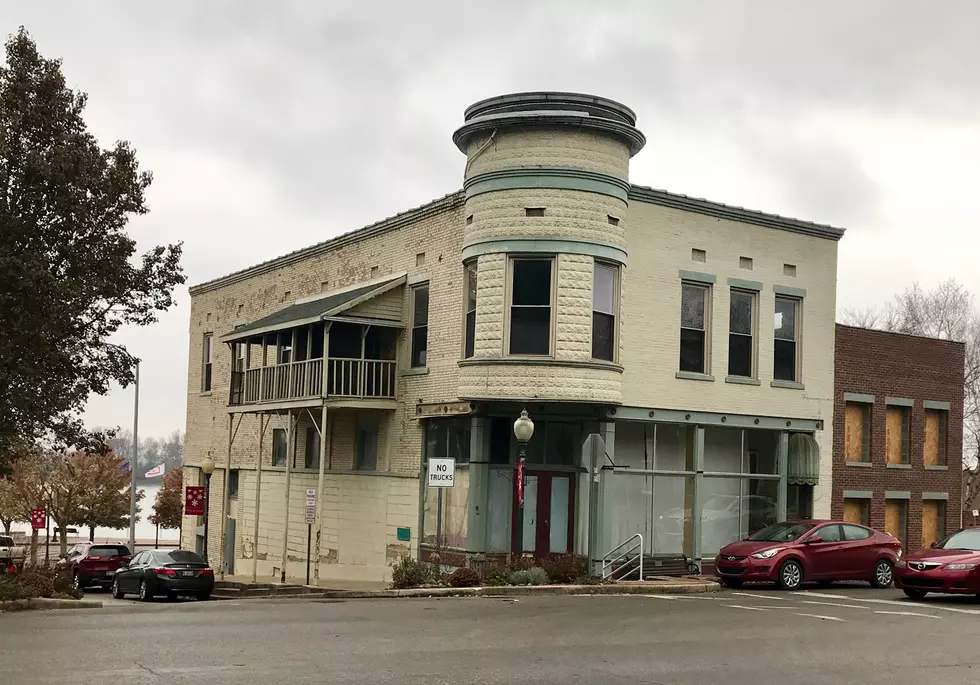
point(827, 635)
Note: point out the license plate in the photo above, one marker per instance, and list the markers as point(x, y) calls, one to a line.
point(187, 574)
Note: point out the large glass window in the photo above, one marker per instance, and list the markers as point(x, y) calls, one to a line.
point(733, 508)
point(449, 437)
point(469, 344)
point(530, 310)
point(420, 325)
point(785, 337)
point(604, 312)
point(741, 329)
point(694, 328)
point(446, 509)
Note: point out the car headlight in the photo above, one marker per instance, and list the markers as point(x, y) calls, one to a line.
point(899, 555)
point(899, 564)
point(767, 554)
point(959, 567)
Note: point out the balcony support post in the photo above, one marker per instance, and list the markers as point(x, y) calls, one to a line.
point(324, 389)
point(362, 374)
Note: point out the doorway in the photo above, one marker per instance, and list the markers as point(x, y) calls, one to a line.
point(549, 515)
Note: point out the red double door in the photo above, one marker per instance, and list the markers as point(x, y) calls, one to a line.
point(549, 514)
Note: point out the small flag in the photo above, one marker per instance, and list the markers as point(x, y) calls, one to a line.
point(155, 471)
point(124, 467)
point(39, 519)
point(194, 500)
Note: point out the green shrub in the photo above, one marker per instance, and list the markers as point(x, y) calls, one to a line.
point(519, 578)
point(9, 590)
point(409, 573)
point(464, 577)
point(496, 576)
point(522, 564)
point(537, 576)
point(564, 568)
point(36, 582)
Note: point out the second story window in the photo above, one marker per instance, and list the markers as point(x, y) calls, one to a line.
point(469, 343)
point(208, 362)
point(420, 325)
point(694, 328)
point(604, 312)
point(530, 307)
point(786, 335)
point(285, 347)
point(741, 327)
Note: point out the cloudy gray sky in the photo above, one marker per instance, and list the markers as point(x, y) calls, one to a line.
point(273, 125)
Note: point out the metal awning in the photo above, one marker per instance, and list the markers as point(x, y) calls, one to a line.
point(804, 460)
point(327, 307)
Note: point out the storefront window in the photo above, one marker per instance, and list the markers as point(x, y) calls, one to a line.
point(733, 450)
point(445, 510)
point(657, 507)
point(733, 508)
point(448, 437)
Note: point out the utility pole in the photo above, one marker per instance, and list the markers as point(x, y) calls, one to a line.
point(132, 463)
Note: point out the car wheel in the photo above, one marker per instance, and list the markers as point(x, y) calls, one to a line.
point(116, 592)
point(790, 575)
point(915, 594)
point(884, 575)
point(731, 582)
point(145, 595)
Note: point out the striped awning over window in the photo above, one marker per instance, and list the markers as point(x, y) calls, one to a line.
point(804, 460)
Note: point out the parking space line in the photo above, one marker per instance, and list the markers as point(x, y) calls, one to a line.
point(906, 613)
point(893, 602)
point(749, 594)
point(825, 618)
point(740, 606)
point(836, 604)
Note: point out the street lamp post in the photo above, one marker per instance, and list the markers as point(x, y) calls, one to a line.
point(207, 468)
point(132, 459)
point(523, 431)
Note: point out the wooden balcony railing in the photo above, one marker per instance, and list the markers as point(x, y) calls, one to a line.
point(302, 380)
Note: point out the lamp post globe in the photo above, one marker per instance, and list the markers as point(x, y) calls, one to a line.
point(523, 428)
point(207, 466)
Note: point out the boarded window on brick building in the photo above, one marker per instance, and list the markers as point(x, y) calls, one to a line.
point(898, 431)
point(897, 519)
point(933, 522)
point(857, 432)
point(857, 510)
point(934, 437)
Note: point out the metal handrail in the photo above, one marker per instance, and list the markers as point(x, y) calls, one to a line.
point(631, 550)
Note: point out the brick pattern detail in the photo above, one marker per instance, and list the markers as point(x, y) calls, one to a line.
point(572, 214)
point(573, 334)
point(550, 148)
point(490, 283)
point(894, 365)
point(552, 381)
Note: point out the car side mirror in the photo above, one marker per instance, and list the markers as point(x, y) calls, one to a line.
point(813, 540)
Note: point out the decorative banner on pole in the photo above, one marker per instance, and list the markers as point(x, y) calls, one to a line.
point(39, 519)
point(155, 471)
point(520, 482)
point(194, 500)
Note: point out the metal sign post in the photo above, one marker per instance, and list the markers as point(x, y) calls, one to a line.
point(593, 450)
point(310, 520)
point(440, 473)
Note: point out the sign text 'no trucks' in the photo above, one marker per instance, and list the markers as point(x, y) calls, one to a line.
point(441, 473)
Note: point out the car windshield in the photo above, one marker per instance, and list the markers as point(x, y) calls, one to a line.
point(180, 556)
point(108, 551)
point(965, 539)
point(781, 532)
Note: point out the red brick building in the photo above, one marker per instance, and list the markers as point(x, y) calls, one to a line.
point(898, 433)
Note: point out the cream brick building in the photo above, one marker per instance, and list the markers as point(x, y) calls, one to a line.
point(696, 338)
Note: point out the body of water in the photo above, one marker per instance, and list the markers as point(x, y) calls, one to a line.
point(144, 529)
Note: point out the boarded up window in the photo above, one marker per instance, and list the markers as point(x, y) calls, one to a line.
point(857, 431)
point(896, 519)
point(934, 438)
point(857, 511)
point(897, 433)
point(933, 522)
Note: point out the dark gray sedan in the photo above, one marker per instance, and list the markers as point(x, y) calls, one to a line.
point(164, 573)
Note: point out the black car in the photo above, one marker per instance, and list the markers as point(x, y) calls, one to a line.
point(164, 573)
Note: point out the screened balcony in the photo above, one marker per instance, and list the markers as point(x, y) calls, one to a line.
point(275, 362)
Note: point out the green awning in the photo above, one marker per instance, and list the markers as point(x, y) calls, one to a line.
point(804, 460)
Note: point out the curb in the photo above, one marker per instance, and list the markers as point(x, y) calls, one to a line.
point(43, 604)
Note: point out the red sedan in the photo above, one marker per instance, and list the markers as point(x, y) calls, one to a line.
point(792, 552)
point(951, 566)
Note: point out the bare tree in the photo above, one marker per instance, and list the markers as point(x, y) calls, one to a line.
point(947, 311)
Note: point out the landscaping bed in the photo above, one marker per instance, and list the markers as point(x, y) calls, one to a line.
point(553, 569)
point(34, 583)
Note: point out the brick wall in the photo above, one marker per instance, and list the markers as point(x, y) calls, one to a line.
point(885, 365)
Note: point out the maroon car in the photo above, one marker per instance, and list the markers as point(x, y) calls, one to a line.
point(792, 552)
point(89, 564)
point(950, 566)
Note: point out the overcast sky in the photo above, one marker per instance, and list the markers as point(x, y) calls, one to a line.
point(270, 126)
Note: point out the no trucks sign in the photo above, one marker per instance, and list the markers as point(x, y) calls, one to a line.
point(441, 473)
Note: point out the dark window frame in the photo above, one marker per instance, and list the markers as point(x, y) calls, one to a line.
point(533, 348)
point(693, 333)
point(367, 439)
point(419, 339)
point(280, 445)
point(311, 451)
point(207, 379)
point(471, 283)
point(779, 373)
point(733, 335)
point(605, 349)
point(233, 483)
